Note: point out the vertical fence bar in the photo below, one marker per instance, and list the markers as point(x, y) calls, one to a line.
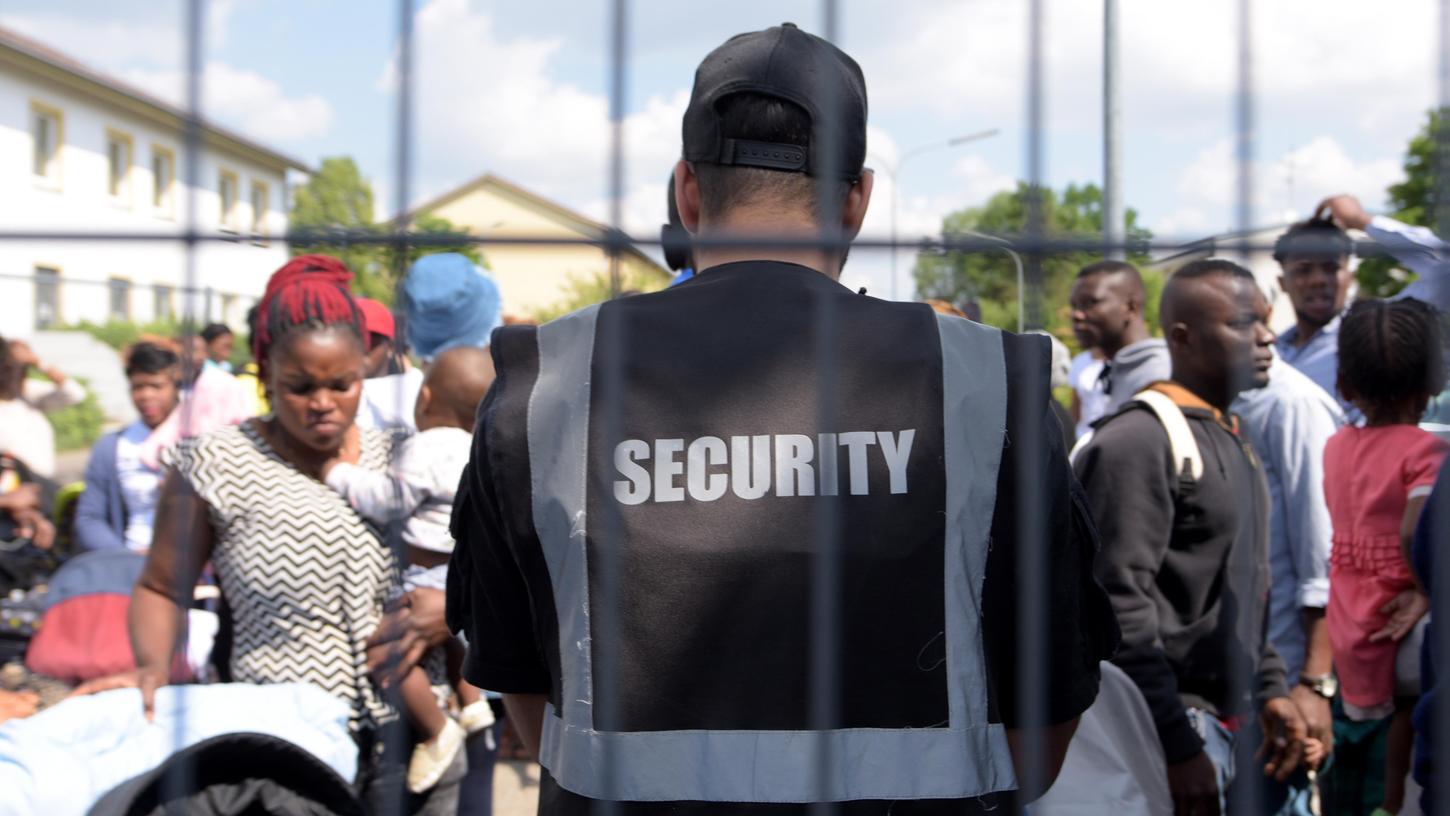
point(396, 739)
point(1440, 534)
point(179, 780)
point(1248, 793)
point(1033, 656)
point(1244, 127)
point(609, 396)
point(1114, 226)
point(826, 569)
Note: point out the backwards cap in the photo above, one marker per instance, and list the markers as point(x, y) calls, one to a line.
point(789, 64)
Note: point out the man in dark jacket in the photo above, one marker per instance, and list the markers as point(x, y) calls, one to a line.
point(758, 541)
point(1184, 555)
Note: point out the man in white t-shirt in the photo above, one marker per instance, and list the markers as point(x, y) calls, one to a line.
point(118, 507)
point(1089, 400)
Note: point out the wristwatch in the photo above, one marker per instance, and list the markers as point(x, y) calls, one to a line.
point(1325, 685)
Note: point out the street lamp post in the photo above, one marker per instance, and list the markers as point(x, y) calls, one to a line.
point(893, 172)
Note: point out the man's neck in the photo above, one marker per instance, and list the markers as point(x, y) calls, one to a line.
point(1218, 397)
point(1136, 332)
point(1305, 330)
point(767, 228)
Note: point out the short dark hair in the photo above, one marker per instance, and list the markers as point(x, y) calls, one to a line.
point(150, 358)
point(1390, 352)
point(756, 117)
point(1168, 304)
point(1315, 238)
point(1123, 268)
point(1212, 266)
point(214, 330)
point(1105, 267)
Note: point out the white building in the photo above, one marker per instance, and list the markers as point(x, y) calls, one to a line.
point(80, 151)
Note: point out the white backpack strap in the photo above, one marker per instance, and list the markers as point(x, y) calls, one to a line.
point(1186, 455)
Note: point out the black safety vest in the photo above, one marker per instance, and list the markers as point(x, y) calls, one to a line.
point(689, 455)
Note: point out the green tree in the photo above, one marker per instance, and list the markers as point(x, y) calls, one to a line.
point(990, 277)
point(336, 205)
point(586, 290)
point(1412, 201)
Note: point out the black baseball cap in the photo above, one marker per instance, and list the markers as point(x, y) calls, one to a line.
point(786, 63)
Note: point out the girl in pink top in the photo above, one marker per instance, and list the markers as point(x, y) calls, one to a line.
point(1376, 478)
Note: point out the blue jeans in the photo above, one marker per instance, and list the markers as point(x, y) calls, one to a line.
point(1218, 744)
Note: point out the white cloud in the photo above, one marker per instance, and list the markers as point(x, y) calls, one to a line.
point(133, 39)
point(102, 43)
point(1352, 64)
point(918, 215)
point(486, 102)
point(245, 100)
point(1285, 189)
point(149, 53)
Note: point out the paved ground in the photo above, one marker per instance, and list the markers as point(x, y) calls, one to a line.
point(70, 466)
point(516, 789)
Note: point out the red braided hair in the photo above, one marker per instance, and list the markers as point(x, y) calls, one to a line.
point(307, 291)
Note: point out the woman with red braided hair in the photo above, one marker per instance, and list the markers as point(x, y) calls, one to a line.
point(306, 577)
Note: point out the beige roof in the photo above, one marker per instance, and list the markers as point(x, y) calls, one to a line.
point(569, 219)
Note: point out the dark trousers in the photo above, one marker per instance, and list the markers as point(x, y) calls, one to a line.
point(475, 792)
point(382, 778)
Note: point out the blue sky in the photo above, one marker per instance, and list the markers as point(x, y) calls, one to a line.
point(520, 89)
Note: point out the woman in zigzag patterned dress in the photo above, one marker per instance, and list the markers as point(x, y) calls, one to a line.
point(306, 577)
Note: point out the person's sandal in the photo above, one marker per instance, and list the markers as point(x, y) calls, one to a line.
point(431, 759)
point(476, 716)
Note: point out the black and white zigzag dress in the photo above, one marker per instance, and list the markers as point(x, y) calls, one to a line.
point(305, 576)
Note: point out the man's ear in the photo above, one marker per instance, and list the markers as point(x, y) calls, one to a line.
point(687, 196)
point(1178, 336)
point(1135, 304)
point(858, 199)
point(425, 397)
point(1282, 287)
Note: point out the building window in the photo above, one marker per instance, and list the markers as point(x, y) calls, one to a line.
point(118, 166)
point(161, 308)
point(259, 212)
point(227, 194)
point(163, 181)
point(120, 299)
point(47, 297)
point(47, 135)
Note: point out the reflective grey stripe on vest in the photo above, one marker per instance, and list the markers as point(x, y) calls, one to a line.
point(558, 436)
point(968, 758)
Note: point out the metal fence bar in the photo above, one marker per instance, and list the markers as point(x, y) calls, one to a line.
point(1246, 794)
point(607, 629)
point(1114, 224)
point(1033, 657)
point(179, 779)
point(1438, 635)
point(1044, 244)
point(396, 737)
point(826, 551)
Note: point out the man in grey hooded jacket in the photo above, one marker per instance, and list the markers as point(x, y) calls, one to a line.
point(1107, 313)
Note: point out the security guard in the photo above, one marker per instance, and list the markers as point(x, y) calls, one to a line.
point(653, 481)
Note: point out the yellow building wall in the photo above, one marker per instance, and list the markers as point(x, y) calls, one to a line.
point(532, 277)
